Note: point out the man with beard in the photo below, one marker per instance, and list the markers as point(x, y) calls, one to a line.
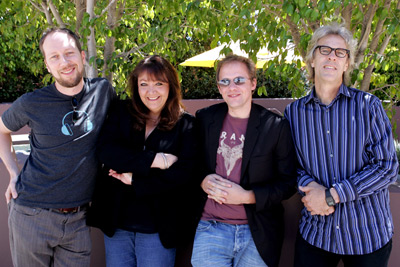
point(47, 199)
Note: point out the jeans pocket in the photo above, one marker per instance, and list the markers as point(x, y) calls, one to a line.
point(203, 226)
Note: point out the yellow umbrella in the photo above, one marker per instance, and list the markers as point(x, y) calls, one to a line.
point(208, 58)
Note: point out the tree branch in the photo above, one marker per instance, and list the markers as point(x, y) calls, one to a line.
point(366, 30)
point(55, 13)
point(373, 47)
point(45, 10)
point(36, 6)
point(126, 54)
point(107, 8)
point(379, 29)
point(346, 15)
point(385, 86)
point(294, 30)
point(315, 24)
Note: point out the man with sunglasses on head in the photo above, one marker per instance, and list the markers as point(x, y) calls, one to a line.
point(48, 198)
point(347, 160)
point(248, 168)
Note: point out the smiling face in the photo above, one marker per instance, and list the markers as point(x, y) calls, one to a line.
point(64, 61)
point(153, 93)
point(329, 68)
point(238, 97)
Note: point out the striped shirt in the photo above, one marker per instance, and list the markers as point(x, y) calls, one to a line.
point(347, 145)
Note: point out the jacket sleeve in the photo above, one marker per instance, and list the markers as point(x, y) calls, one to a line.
point(283, 185)
point(182, 173)
point(113, 147)
point(203, 168)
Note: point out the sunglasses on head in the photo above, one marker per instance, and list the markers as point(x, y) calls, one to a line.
point(326, 50)
point(74, 103)
point(237, 81)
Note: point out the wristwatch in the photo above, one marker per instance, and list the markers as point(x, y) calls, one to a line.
point(329, 198)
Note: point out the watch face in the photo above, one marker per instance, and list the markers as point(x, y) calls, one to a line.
point(330, 202)
point(329, 199)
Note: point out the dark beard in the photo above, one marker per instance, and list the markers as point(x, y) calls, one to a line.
point(70, 83)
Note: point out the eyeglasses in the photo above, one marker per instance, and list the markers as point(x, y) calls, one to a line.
point(339, 52)
point(237, 81)
point(74, 103)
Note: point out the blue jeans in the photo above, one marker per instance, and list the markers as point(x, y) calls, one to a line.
point(126, 248)
point(220, 244)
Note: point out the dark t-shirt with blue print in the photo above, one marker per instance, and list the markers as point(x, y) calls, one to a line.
point(60, 170)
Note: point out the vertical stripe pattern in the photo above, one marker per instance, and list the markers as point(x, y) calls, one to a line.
point(347, 145)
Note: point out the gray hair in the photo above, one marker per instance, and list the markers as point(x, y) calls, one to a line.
point(323, 31)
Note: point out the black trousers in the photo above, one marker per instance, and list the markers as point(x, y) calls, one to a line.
point(307, 255)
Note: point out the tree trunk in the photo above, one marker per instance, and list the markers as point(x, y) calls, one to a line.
point(91, 69)
point(80, 6)
point(109, 46)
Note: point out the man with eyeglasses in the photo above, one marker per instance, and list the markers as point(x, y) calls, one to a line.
point(48, 198)
point(347, 160)
point(248, 168)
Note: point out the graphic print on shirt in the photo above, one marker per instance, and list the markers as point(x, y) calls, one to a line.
point(230, 154)
point(67, 122)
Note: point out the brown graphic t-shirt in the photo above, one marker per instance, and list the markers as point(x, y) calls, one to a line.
point(229, 162)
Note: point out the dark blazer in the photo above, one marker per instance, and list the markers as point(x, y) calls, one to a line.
point(162, 197)
point(268, 168)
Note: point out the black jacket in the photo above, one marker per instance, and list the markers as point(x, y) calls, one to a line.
point(161, 199)
point(268, 168)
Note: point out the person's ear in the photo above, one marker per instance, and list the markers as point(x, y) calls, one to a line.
point(83, 55)
point(253, 84)
point(47, 66)
point(346, 66)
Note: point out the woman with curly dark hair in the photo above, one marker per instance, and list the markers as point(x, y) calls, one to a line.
point(148, 148)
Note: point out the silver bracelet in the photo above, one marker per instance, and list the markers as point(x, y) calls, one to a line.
point(166, 165)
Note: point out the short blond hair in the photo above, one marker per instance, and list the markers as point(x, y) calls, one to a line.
point(251, 67)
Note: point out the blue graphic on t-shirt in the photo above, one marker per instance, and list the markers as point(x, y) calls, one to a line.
point(66, 128)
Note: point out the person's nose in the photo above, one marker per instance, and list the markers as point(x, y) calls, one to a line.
point(64, 59)
point(332, 55)
point(152, 89)
point(232, 85)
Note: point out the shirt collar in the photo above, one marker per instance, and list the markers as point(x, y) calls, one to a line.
point(343, 90)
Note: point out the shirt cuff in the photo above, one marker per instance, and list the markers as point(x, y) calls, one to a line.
point(346, 191)
point(305, 180)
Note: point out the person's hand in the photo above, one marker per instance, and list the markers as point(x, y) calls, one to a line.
point(11, 192)
point(163, 160)
point(314, 200)
point(224, 191)
point(126, 177)
point(238, 195)
point(216, 187)
point(171, 159)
